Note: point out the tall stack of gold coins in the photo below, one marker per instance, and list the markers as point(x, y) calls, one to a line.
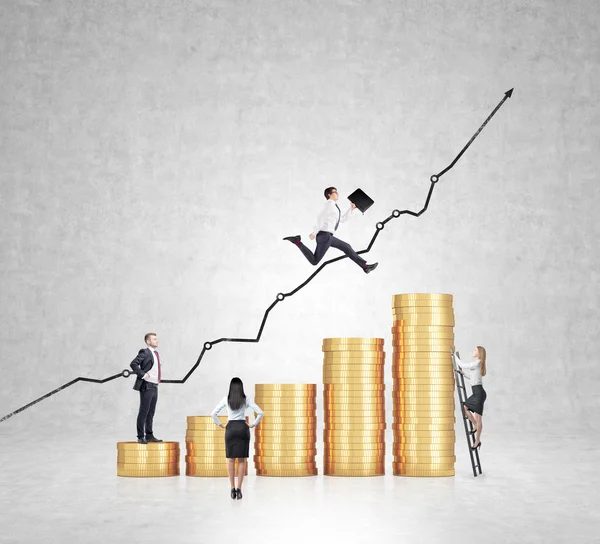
point(423, 394)
point(285, 440)
point(205, 447)
point(156, 459)
point(354, 404)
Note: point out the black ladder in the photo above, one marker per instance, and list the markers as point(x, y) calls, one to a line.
point(469, 431)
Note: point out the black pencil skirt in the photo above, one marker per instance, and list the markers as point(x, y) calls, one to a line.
point(237, 439)
point(476, 401)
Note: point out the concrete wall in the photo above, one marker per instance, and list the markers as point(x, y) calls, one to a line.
point(155, 153)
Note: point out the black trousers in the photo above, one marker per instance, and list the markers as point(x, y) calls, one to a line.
point(325, 240)
point(148, 398)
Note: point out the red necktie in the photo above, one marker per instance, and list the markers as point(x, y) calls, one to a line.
point(158, 359)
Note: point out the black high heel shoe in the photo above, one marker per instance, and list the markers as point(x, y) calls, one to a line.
point(476, 447)
point(233, 493)
point(239, 493)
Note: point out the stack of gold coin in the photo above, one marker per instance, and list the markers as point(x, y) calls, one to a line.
point(156, 459)
point(354, 404)
point(423, 394)
point(285, 440)
point(205, 447)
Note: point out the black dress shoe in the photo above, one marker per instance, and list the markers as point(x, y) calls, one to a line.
point(152, 439)
point(238, 492)
point(294, 239)
point(233, 493)
point(370, 267)
point(142, 441)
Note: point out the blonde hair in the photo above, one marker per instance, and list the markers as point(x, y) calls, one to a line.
point(481, 352)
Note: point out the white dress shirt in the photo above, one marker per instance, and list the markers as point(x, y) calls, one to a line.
point(152, 374)
point(328, 218)
point(473, 370)
point(236, 415)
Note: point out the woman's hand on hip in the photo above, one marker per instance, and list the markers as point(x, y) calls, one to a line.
point(250, 425)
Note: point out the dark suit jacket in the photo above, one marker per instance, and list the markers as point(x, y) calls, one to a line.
point(140, 365)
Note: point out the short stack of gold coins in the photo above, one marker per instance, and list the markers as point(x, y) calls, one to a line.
point(152, 460)
point(285, 440)
point(423, 393)
point(354, 405)
point(205, 447)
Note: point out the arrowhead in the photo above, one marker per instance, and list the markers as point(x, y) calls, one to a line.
point(508, 94)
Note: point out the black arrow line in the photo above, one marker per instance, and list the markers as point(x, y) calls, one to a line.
point(282, 296)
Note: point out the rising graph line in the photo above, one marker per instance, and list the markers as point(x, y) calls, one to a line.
point(282, 296)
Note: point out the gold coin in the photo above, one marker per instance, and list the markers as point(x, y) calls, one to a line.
point(413, 401)
point(287, 473)
point(422, 427)
point(423, 310)
point(208, 445)
point(332, 458)
point(409, 396)
point(288, 419)
point(301, 442)
point(352, 388)
point(424, 381)
point(354, 380)
point(354, 367)
point(424, 433)
point(422, 296)
point(353, 473)
point(423, 347)
point(425, 372)
point(360, 358)
point(285, 466)
point(333, 435)
point(423, 473)
point(427, 305)
point(408, 459)
point(354, 426)
point(425, 420)
point(433, 440)
point(204, 427)
point(265, 448)
point(149, 473)
point(429, 331)
point(374, 465)
point(148, 466)
point(423, 454)
point(132, 457)
point(351, 448)
point(329, 343)
point(222, 473)
point(360, 373)
point(287, 453)
point(286, 403)
point(282, 459)
point(424, 466)
point(152, 446)
point(341, 418)
point(200, 458)
point(204, 464)
point(300, 387)
point(404, 320)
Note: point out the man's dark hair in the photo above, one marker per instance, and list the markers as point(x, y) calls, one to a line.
point(148, 336)
point(328, 192)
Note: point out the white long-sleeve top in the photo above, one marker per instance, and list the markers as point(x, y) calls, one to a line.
point(473, 370)
point(329, 216)
point(235, 415)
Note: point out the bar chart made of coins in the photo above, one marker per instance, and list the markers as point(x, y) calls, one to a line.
point(205, 448)
point(354, 406)
point(285, 440)
point(423, 393)
point(153, 460)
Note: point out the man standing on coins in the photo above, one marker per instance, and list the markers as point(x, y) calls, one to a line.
point(147, 368)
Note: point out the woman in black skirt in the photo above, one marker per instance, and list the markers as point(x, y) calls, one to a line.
point(473, 406)
point(237, 431)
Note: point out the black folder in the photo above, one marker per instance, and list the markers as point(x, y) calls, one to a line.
point(361, 200)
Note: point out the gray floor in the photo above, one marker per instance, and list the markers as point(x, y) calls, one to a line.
point(534, 489)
